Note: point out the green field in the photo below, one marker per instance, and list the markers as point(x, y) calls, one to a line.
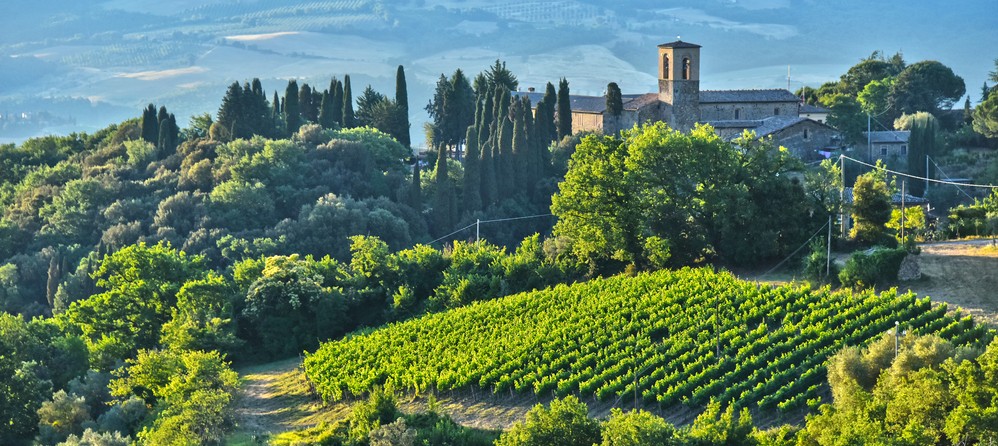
point(681, 337)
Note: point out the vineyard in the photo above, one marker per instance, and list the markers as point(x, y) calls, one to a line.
point(680, 337)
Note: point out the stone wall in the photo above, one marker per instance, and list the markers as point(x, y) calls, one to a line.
point(818, 137)
point(746, 110)
point(591, 122)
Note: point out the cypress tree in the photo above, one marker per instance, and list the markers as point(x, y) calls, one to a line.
point(551, 101)
point(150, 125)
point(230, 110)
point(164, 137)
point(348, 119)
point(276, 114)
point(442, 212)
point(257, 88)
point(472, 172)
point(336, 91)
point(292, 112)
point(519, 153)
point(309, 111)
point(564, 110)
point(326, 111)
point(402, 100)
point(506, 169)
point(487, 167)
point(922, 142)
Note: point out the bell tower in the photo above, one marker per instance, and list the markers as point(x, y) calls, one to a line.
point(679, 84)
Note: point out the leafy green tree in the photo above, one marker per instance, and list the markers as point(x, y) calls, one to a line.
point(91, 437)
point(290, 308)
point(986, 117)
point(927, 86)
point(564, 111)
point(24, 386)
point(637, 428)
point(498, 75)
point(191, 391)
point(874, 98)
point(62, 416)
point(240, 205)
point(73, 216)
point(365, 104)
point(565, 422)
point(140, 286)
point(870, 69)
point(203, 317)
point(846, 115)
point(714, 427)
point(871, 208)
point(452, 109)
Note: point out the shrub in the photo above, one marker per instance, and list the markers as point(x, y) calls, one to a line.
point(878, 267)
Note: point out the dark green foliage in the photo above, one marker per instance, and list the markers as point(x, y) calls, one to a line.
point(472, 172)
point(564, 110)
point(565, 422)
point(150, 124)
point(349, 120)
point(365, 104)
point(871, 208)
point(923, 141)
point(402, 100)
point(292, 109)
point(880, 267)
point(415, 188)
point(499, 76)
point(336, 92)
point(927, 86)
point(140, 286)
point(452, 109)
point(326, 119)
point(614, 102)
point(444, 214)
point(986, 116)
point(309, 109)
point(290, 308)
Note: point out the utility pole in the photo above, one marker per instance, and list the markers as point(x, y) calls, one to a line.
point(902, 210)
point(842, 195)
point(926, 176)
point(478, 224)
point(828, 254)
point(897, 328)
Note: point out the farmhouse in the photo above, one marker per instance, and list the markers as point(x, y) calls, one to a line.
point(680, 103)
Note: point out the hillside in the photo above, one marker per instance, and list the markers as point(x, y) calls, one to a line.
point(959, 273)
point(683, 338)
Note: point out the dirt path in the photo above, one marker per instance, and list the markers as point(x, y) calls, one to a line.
point(260, 406)
point(963, 274)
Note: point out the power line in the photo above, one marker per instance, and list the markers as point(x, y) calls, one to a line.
point(478, 222)
point(798, 249)
point(952, 183)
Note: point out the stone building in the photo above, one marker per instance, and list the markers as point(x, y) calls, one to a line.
point(680, 103)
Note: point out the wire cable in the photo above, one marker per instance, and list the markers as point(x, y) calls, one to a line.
point(822, 228)
point(932, 180)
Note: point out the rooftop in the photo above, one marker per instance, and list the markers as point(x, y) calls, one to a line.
point(889, 136)
point(679, 44)
point(808, 108)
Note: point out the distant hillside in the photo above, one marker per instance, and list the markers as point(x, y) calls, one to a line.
point(121, 55)
point(681, 337)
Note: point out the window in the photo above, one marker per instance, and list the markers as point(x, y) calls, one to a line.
point(736, 113)
point(776, 111)
point(665, 66)
point(904, 149)
point(806, 135)
point(883, 150)
point(686, 68)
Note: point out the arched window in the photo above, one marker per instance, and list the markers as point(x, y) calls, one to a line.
point(776, 111)
point(805, 134)
point(665, 66)
point(686, 68)
point(736, 113)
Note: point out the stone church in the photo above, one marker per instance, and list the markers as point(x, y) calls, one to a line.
point(680, 103)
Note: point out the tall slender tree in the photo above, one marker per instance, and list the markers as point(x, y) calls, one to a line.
point(564, 109)
point(416, 189)
point(309, 111)
point(336, 90)
point(520, 175)
point(472, 172)
point(402, 100)
point(150, 124)
point(326, 111)
point(444, 196)
point(349, 121)
point(292, 112)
